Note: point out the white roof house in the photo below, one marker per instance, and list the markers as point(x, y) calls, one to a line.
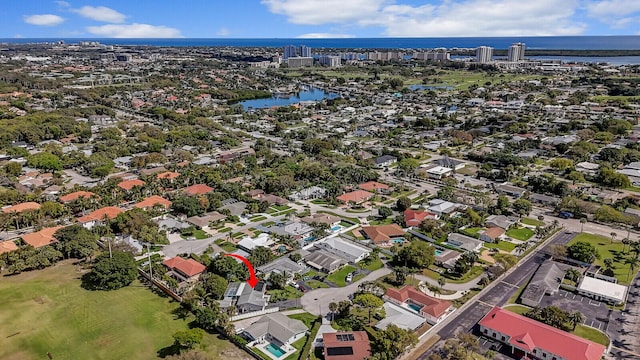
point(439, 172)
point(602, 290)
point(248, 243)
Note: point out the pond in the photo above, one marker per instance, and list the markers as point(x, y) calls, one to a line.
point(311, 94)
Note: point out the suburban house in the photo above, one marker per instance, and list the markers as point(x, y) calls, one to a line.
point(385, 161)
point(587, 168)
point(321, 218)
point(197, 189)
point(510, 190)
point(282, 265)
point(432, 309)
point(416, 217)
point(441, 207)
point(355, 197)
point(345, 249)
point(298, 230)
point(18, 208)
point(130, 184)
point(544, 199)
point(603, 290)
point(169, 175)
point(276, 328)
point(531, 339)
point(153, 201)
point(464, 242)
point(351, 345)
point(269, 198)
point(438, 172)
point(204, 221)
point(450, 163)
point(375, 187)
point(384, 235)
point(546, 280)
point(500, 221)
point(402, 317)
point(492, 234)
point(313, 192)
point(184, 270)
point(41, 238)
point(244, 297)
point(324, 261)
point(97, 217)
point(75, 196)
point(248, 243)
point(7, 246)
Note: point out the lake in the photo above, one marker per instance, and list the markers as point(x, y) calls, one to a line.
point(312, 94)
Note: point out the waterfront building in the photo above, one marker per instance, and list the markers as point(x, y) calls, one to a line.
point(484, 54)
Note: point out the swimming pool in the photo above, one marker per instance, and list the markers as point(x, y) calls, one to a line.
point(415, 307)
point(439, 252)
point(397, 241)
point(336, 228)
point(274, 350)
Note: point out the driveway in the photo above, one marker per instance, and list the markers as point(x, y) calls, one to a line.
point(595, 312)
point(317, 301)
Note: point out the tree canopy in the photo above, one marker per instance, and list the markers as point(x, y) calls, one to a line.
point(111, 273)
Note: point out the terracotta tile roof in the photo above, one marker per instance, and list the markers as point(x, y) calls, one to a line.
point(18, 208)
point(383, 233)
point(7, 246)
point(416, 217)
point(351, 345)
point(41, 238)
point(432, 306)
point(373, 186)
point(152, 201)
point(197, 189)
point(76, 195)
point(110, 212)
point(356, 196)
point(168, 175)
point(494, 232)
point(528, 334)
point(129, 184)
point(187, 267)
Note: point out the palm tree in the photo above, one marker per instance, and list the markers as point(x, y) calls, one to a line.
point(484, 281)
point(608, 263)
point(625, 242)
point(442, 281)
point(633, 263)
point(613, 236)
point(635, 248)
point(437, 290)
point(541, 218)
point(333, 307)
point(575, 318)
point(521, 248)
point(582, 222)
point(572, 274)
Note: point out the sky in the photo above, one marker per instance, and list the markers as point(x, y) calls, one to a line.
point(316, 18)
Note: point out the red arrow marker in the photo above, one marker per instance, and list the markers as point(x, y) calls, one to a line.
point(253, 280)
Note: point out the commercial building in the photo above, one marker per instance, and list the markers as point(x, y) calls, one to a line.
point(602, 290)
point(297, 62)
point(330, 61)
point(546, 280)
point(484, 54)
point(516, 52)
point(534, 340)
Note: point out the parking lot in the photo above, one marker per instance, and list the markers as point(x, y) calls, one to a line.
point(596, 313)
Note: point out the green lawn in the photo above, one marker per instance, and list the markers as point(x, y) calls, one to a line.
point(502, 245)
point(532, 222)
point(472, 231)
point(471, 274)
point(257, 218)
point(319, 201)
point(48, 311)
point(339, 276)
point(298, 345)
point(372, 265)
point(353, 220)
point(228, 247)
point(238, 234)
point(225, 230)
point(306, 318)
point(386, 221)
point(592, 334)
point(315, 284)
point(289, 292)
point(609, 250)
point(280, 207)
point(198, 234)
point(522, 234)
point(518, 309)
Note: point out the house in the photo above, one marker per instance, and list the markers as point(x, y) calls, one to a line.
point(271, 199)
point(299, 230)
point(153, 201)
point(442, 207)
point(75, 196)
point(276, 328)
point(416, 217)
point(383, 235)
point(450, 163)
point(432, 309)
point(345, 249)
point(322, 218)
point(41, 238)
point(603, 290)
point(510, 190)
point(313, 192)
point(96, 217)
point(324, 261)
point(129, 184)
point(492, 234)
point(248, 243)
point(18, 208)
point(347, 345)
point(375, 187)
point(206, 219)
point(234, 206)
point(546, 280)
point(7, 246)
point(587, 168)
point(170, 223)
point(544, 199)
point(197, 189)
point(244, 297)
point(385, 161)
point(500, 221)
point(169, 175)
point(282, 265)
point(528, 338)
point(438, 172)
point(402, 317)
point(184, 270)
point(464, 242)
point(355, 197)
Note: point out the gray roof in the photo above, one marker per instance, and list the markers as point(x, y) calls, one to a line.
point(279, 326)
point(323, 260)
point(384, 158)
point(448, 162)
point(280, 265)
point(547, 279)
point(500, 221)
point(544, 198)
point(244, 294)
point(463, 241)
point(345, 249)
point(510, 189)
point(400, 317)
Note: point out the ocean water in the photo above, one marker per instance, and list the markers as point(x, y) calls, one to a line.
point(543, 42)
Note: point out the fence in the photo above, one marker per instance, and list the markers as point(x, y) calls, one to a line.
point(254, 313)
point(160, 285)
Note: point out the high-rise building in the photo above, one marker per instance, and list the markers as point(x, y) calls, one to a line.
point(484, 54)
point(304, 51)
point(516, 52)
point(289, 51)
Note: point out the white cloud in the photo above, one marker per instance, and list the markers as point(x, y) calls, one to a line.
point(134, 30)
point(18, 36)
point(43, 19)
point(612, 8)
point(100, 13)
point(63, 4)
point(440, 17)
point(324, 36)
point(223, 32)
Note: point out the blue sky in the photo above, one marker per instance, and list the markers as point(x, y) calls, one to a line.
point(317, 18)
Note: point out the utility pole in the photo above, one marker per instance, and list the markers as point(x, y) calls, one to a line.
point(149, 259)
point(109, 242)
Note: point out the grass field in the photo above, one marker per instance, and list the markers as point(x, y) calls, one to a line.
point(609, 250)
point(518, 309)
point(339, 276)
point(522, 234)
point(591, 334)
point(374, 264)
point(532, 222)
point(48, 311)
point(472, 231)
point(502, 245)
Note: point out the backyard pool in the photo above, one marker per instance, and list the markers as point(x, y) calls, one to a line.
point(274, 350)
point(397, 241)
point(438, 252)
point(415, 307)
point(336, 228)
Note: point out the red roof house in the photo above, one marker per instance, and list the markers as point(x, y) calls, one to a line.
point(355, 197)
point(89, 220)
point(434, 310)
point(197, 189)
point(18, 208)
point(7, 246)
point(533, 339)
point(374, 186)
point(129, 184)
point(170, 175)
point(75, 196)
point(188, 269)
point(416, 217)
point(349, 345)
point(41, 238)
point(152, 201)
point(382, 234)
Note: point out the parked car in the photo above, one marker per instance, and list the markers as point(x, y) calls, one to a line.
point(565, 215)
point(349, 277)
